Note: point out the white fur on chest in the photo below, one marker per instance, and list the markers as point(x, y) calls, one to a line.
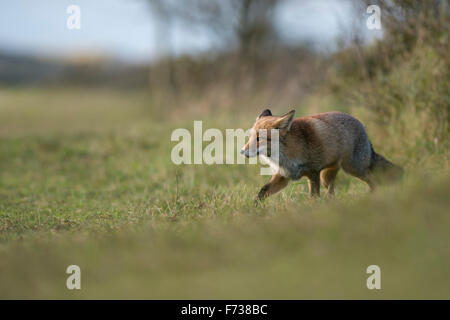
point(274, 166)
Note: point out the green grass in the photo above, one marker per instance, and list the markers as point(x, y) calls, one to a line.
point(86, 179)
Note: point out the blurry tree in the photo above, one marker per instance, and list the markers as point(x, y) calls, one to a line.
point(412, 22)
point(403, 73)
point(405, 25)
point(245, 25)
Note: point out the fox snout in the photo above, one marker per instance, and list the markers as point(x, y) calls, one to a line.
point(246, 153)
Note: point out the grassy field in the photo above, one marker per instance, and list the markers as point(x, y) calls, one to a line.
point(86, 179)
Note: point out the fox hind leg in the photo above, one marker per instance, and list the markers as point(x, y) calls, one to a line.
point(327, 177)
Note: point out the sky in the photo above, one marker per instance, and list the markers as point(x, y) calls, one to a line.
point(126, 30)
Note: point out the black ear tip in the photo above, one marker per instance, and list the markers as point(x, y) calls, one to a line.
point(265, 113)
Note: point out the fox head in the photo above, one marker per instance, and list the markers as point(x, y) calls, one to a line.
point(259, 141)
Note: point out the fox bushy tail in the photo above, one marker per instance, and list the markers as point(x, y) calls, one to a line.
point(383, 169)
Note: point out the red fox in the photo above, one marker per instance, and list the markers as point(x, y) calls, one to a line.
point(317, 147)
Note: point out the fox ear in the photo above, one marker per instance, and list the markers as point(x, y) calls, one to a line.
point(285, 121)
point(265, 113)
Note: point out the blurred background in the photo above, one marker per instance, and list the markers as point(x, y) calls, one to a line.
point(226, 49)
point(171, 44)
point(86, 178)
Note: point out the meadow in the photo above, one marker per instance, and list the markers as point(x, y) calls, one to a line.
point(86, 179)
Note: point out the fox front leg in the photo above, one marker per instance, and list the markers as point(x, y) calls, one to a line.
point(275, 184)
